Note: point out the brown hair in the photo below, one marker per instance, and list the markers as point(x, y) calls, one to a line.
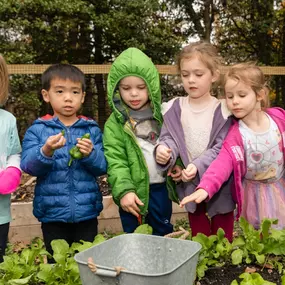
point(205, 51)
point(250, 74)
point(4, 81)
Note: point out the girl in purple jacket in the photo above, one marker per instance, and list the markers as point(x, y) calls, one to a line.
point(194, 129)
point(253, 150)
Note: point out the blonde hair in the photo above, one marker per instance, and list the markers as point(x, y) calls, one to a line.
point(4, 81)
point(250, 74)
point(204, 51)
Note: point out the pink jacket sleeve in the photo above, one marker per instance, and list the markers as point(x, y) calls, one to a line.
point(9, 180)
point(218, 172)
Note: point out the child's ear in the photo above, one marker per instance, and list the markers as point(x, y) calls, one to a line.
point(262, 97)
point(83, 97)
point(45, 95)
point(216, 76)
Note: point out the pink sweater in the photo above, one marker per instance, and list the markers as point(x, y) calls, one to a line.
point(232, 158)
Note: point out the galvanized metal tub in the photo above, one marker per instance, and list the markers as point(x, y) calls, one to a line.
point(146, 259)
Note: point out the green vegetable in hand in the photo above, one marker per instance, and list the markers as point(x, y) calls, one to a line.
point(75, 153)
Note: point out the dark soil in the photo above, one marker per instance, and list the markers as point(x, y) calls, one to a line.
point(25, 191)
point(226, 274)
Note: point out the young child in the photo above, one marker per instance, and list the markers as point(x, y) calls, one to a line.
point(253, 150)
point(10, 149)
point(130, 135)
point(194, 128)
point(67, 196)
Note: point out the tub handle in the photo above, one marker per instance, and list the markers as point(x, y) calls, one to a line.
point(182, 233)
point(103, 272)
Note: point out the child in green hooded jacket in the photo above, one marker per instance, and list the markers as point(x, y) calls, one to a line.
point(130, 136)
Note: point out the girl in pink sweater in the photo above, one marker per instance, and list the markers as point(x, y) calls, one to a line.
point(253, 150)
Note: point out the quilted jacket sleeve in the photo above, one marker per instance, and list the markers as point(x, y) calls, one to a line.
point(119, 175)
point(33, 161)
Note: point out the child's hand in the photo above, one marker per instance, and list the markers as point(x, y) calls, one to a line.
point(198, 196)
point(85, 146)
point(130, 202)
point(163, 154)
point(53, 143)
point(175, 172)
point(189, 173)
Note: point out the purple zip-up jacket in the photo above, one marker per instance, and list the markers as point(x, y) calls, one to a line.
point(172, 136)
point(232, 159)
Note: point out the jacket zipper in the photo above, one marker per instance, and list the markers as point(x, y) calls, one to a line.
point(131, 134)
point(71, 194)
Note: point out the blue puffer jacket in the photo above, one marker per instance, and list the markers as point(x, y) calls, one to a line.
point(63, 193)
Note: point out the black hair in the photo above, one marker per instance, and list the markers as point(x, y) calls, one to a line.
point(63, 71)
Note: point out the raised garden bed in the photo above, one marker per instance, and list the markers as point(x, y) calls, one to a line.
point(23, 265)
point(25, 227)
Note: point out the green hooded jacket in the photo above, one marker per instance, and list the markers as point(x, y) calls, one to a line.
point(127, 168)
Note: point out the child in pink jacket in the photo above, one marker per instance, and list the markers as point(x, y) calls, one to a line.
point(253, 150)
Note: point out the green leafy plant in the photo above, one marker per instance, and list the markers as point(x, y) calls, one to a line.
point(144, 229)
point(252, 279)
point(22, 268)
point(75, 152)
point(264, 246)
point(283, 278)
point(65, 270)
point(215, 251)
point(256, 246)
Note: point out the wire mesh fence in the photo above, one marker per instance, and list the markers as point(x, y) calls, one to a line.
point(25, 100)
point(105, 68)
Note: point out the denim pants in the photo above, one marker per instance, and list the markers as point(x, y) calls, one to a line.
point(158, 215)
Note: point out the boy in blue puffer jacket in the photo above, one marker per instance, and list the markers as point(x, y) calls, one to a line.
point(67, 197)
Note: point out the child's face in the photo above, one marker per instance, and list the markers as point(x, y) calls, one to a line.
point(133, 91)
point(65, 97)
point(196, 77)
point(241, 99)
